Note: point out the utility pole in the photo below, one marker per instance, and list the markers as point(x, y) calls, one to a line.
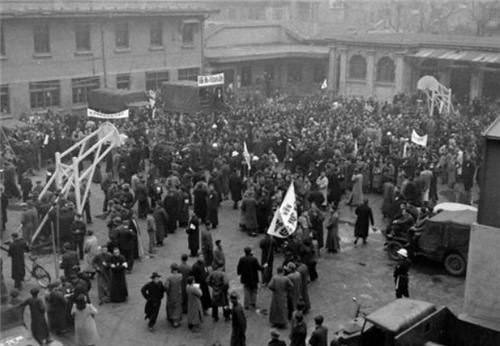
point(103, 56)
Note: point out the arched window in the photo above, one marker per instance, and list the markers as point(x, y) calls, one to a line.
point(385, 70)
point(357, 67)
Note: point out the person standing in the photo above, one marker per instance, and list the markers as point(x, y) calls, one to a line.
point(101, 267)
point(295, 294)
point(401, 279)
point(219, 282)
point(322, 183)
point(281, 287)
point(193, 231)
point(151, 229)
point(141, 196)
point(298, 333)
point(207, 246)
point(90, 249)
point(363, 221)
point(304, 275)
point(238, 322)
point(194, 308)
point(248, 270)
point(332, 227)
point(213, 206)
point(70, 262)
point(174, 290)
point(125, 240)
point(85, 327)
point(56, 307)
point(249, 214)
point(161, 218)
point(185, 270)
point(316, 218)
point(267, 258)
point(78, 229)
point(153, 293)
point(357, 196)
point(16, 251)
point(319, 336)
point(200, 273)
point(29, 220)
point(200, 194)
point(219, 260)
point(39, 327)
point(275, 339)
point(235, 186)
point(118, 285)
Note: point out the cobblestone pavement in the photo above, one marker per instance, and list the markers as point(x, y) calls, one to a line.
point(364, 272)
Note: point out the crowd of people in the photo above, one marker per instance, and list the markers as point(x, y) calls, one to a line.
point(178, 168)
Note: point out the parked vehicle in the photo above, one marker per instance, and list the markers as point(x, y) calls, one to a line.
point(443, 238)
point(409, 322)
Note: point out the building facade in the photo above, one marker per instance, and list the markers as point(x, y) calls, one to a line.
point(52, 56)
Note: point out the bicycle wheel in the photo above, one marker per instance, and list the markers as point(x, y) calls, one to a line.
point(41, 276)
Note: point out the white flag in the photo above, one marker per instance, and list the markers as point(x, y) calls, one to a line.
point(324, 85)
point(246, 155)
point(285, 218)
point(419, 140)
point(355, 147)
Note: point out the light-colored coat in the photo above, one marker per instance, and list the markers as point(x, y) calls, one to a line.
point(85, 326)
point(194, 308)
point(173, 288)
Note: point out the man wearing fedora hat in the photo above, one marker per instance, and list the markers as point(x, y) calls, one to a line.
point(401, 279)
point(153, 292)
point(239, 322)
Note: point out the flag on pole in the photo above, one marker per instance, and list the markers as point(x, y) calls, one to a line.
point(419, 140)
point(284, 221)
point(324, 85)
point(355, 147)
point(246, 155)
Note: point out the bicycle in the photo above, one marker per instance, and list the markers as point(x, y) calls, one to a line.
point(36, 271)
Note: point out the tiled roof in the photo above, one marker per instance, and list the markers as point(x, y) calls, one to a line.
point(48, 8)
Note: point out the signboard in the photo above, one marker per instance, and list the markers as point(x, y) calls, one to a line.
point(210, 80)
point(95, 114)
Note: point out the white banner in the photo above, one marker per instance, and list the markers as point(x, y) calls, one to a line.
point(209, 80)
point(419, 140)
point(95, 114)
point(284, 222)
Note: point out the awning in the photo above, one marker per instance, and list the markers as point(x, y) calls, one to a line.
point(249, 53)
point(461, 55)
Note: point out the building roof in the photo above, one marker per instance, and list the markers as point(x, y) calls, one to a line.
point(413, 40)
point(93, 8)
point(257, 52)
point(456, 54)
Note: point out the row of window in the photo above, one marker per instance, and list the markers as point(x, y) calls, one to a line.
point(83, 37)
point(294, 73)
point(385, 71)
point(48, 93)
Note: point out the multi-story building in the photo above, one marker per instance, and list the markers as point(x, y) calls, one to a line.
point(54, 52)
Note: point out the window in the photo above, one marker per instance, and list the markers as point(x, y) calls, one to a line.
point(156, 33)
point(357, 67)
point(278, 13)
point(41, 38)
point(319, 73)
point(188, 74)
point(307, 12)
point(256, 13)
point(45, 94)
point(385, 70)
point(4, 99)
point(232, 13)
point(246, 76)
point(154, 79)
point(82, 37)
point(82, 86)
point(2, 41)
point(188, 30)
point(121, 35)
point(123, 81)
point(294, 73)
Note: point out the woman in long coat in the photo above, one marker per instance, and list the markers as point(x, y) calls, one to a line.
point(199, 271)
point(195, 311)
point(281, 286)
point(85, 326)
point(161, 219)
point(39, 327)
point(118, 287)
point(249, 213)
point(173, 289)
point(357, 189)
point(332, 227)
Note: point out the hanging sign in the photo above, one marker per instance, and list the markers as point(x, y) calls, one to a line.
point(95, 114)
point(209, 80)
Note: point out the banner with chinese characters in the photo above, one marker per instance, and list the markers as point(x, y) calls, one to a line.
point(95, 114)
point(209, 80)
point(285, 218)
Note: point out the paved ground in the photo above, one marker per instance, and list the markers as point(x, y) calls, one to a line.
point(363, 272)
